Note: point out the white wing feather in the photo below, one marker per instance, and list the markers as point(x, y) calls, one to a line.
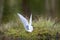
point(23, 19)
point(30, 20)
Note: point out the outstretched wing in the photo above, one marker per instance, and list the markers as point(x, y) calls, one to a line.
point(23, 19)
point(30, 20)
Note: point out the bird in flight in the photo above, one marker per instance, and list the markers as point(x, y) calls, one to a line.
point(28, 26)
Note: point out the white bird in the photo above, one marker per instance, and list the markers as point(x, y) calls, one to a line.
point(28, 26)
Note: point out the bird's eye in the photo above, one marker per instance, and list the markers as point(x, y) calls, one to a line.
point(27, 27)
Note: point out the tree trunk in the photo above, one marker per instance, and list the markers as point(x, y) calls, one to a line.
point(10, 8)
point(25, 8)
point(47, 8)
point(1, 9)
point(52, 8)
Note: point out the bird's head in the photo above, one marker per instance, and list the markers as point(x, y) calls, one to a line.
point(30, 28)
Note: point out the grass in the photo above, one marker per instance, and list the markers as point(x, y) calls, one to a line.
point(42, 28)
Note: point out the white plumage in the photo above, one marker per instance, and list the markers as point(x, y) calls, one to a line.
point(28, 26)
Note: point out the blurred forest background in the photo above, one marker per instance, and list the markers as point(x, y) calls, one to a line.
point(39, 8)
point(47, 8)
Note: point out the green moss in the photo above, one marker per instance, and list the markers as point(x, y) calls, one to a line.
point(42, 29)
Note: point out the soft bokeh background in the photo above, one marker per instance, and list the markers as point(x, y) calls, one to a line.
point(46, 19)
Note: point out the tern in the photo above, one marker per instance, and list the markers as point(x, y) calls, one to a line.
point(27, 25)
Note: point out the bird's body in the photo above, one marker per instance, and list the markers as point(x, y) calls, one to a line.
point(28, 26)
